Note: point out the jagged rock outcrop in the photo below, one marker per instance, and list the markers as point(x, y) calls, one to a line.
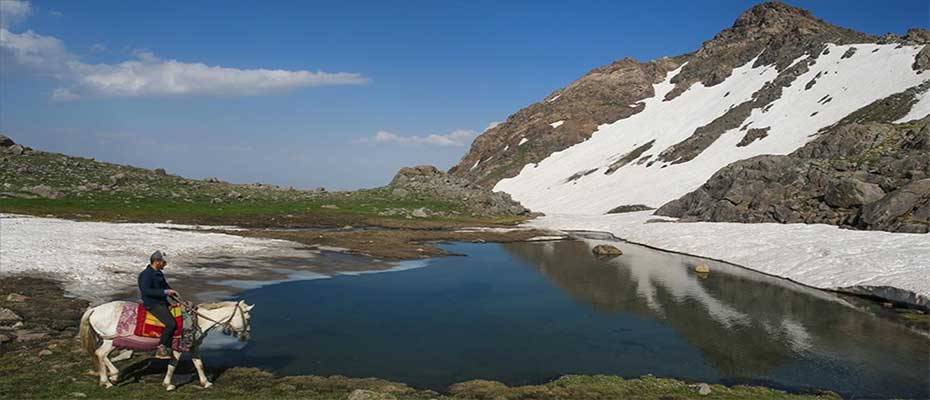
point(428, 180)
point(862, 173)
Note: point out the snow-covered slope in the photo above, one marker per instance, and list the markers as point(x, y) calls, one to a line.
point(843, 79)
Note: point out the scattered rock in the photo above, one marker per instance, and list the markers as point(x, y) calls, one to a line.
point(161, 172)
point(361, 394)
point(17, 149)
point(399, 192)
point(5, 338)
point(78, 394)
point(117, 179)
point(702, 269)
point(330, 206)
point(629, 208)
point(234, 195)
point(16, 298)
point(888, 305)
point(30, 336)
point(216, 200)
point(8, 316)
point(420, 213)
point(45, 352)
point(606, 250)
point(703, 389)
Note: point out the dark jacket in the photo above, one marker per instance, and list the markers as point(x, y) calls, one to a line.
point(152, 285)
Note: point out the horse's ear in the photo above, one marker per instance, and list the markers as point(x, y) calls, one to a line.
point(249, 308)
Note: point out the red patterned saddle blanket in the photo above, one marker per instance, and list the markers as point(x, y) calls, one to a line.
point(135, 320)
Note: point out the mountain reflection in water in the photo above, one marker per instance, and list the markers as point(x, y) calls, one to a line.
point(524, 313)
point(746, 324)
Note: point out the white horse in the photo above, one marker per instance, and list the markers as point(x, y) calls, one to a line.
point(99, 327)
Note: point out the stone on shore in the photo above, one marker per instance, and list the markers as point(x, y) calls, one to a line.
point(606, 250)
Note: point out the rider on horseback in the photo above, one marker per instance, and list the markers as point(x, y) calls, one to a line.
point(155, 291)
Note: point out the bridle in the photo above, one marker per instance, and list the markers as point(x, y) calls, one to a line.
point(226, 324)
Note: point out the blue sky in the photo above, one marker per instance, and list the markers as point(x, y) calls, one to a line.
point(296, 93)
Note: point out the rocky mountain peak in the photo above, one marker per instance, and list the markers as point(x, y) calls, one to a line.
point(774, 16)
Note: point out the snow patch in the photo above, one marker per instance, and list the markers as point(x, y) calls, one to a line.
point(822, 256)
point(919, 110)
point(476, 165)
point(557, 124)
point(522, 140)
point(554, 98)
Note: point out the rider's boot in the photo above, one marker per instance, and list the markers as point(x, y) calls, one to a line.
point(162, 352)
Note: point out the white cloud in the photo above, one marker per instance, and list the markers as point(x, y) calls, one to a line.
point(13, 12)
point(149, 75)
point(492, 125)
point(456, 138)
point(98, 48)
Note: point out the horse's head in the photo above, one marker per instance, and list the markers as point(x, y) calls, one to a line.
point(240, 322)
point(233, 316)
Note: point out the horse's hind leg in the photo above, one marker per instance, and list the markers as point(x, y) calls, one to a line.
point(103, 362)
point(171, 366)
point(198, 364)
point(114, 372)
point(124, 355)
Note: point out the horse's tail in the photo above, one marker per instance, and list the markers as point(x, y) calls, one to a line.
point(89, 338)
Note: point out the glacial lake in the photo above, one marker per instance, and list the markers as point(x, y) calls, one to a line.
point(526, 313)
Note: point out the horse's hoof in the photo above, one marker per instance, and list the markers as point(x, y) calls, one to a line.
point(106, 385)
point(207, 384)
point(169, 387)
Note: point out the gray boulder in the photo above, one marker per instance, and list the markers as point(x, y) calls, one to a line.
point(606, 250)
point(5, 141)
point(904, 210)
point(8, 316)
point(47, 192)
point(848, 192)
point(17, 149)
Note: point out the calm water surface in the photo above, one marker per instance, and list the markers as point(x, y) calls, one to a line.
point(526, 313)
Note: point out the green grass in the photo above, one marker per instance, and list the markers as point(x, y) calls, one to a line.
point(24, 375)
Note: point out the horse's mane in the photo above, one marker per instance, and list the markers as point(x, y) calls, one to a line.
point(213, 306)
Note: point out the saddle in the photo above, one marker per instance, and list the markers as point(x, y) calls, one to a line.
point(147, 325)
point(139, 330)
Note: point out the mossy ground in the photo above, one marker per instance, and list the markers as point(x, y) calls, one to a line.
point(25, 375)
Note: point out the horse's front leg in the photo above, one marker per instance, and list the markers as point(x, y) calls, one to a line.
point(103, 362)
point(171, 366)
point(198, 364)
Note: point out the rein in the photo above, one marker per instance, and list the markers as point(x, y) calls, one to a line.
point(227, 327)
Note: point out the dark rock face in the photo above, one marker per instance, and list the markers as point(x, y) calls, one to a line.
point(752, 135)
point(428, 180)
point(864, 173)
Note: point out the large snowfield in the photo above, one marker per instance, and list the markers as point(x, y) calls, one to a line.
point(98, 259)
point(873, 72)
point(821, 256)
